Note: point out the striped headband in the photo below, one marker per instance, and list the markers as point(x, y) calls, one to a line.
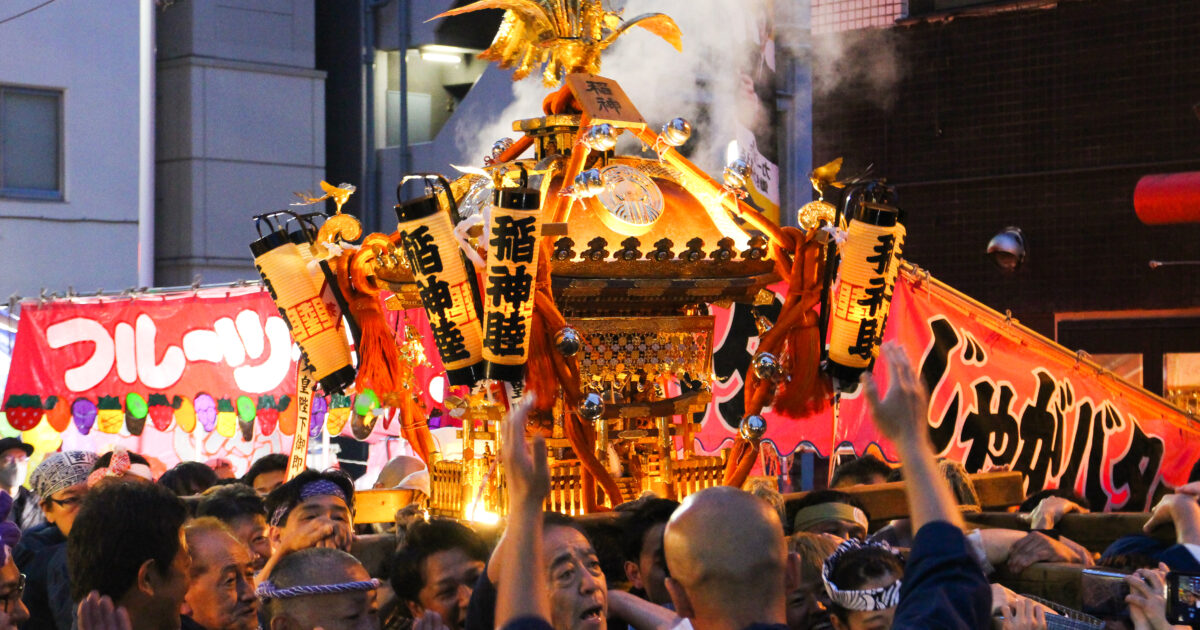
point(268, 591)
point(320, 487)
point(867, 600)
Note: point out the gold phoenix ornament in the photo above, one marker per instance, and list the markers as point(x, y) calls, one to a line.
point(565, 36)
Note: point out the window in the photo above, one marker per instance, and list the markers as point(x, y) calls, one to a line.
point(1160, 353)
point(30, 143)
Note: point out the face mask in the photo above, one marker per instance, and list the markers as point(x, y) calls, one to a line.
point(13, 474)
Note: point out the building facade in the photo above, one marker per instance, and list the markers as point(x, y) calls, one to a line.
point(70, 135)
point(1043, 116)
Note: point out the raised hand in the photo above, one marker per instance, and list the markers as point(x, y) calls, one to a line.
point(99, 613)
point(900, 415)
point(525, 469)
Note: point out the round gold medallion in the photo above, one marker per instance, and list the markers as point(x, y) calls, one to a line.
point(631, 198)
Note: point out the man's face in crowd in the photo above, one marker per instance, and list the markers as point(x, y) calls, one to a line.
point(841, 528)
point(221, 595)
point(11, 585)
point(449, 578)
point(578, 592)
point(652, 566)
point(60, 508)
point(356, 610)
point(324, 508)
point(170, 587)
point(14, 464)
point(252, 531)
point(807, 604)
point(868, 620)
point(265, 482)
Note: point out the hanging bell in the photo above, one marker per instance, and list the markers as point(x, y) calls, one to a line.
point(591, 407)
point(500, 147)
point(766, 367)
point(589, 183)
point(753, 428)
point(567, 341)
point(602, 137)
point(737, 174)
point(676, 132)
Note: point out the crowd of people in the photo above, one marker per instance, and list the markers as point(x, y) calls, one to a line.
point(96, 543)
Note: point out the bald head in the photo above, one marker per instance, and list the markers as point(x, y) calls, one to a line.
point(726, 554)
point(312, 567)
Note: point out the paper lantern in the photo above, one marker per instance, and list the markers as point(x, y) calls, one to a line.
point(206, 412)
point(109, 415)
point(226, 418)
point(247, 411)
point(185, 414)
point(444, 281)
point(84, 412)
point(866, 276)
point(509, 288)
point(285, 273)
point(59, 416)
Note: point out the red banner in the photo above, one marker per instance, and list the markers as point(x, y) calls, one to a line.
point(1002, 397)
point(209, 348)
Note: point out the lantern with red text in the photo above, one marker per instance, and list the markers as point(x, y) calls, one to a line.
point(444, 280)
point(508, 291)
point(285, 274)
point(866, 276)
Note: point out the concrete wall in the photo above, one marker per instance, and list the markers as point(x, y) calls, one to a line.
point(241, 126)
point(89, 239)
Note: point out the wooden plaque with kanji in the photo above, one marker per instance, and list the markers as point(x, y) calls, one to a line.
point(604, 101)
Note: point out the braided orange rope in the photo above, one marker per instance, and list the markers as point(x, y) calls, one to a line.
point(795, 340)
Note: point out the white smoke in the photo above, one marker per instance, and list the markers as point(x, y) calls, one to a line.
point(703, 84)
point(867, 61)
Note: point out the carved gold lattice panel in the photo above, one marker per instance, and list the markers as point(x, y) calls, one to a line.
point(648, 348)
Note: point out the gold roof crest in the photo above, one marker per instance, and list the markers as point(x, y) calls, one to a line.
point(564, 36)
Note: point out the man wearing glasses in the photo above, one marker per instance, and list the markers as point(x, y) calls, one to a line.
point(12, 583)
point(61, 481)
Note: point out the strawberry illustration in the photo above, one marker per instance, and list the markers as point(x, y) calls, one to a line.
point(110, 416)
point(268, 413)
point(162, 413)
point(25, 411)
